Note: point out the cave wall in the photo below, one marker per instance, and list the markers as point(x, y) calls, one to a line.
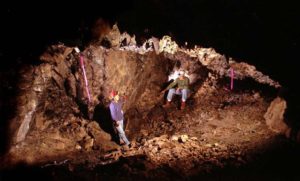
point(53, 105)
point(50, 109)
point(137, 76)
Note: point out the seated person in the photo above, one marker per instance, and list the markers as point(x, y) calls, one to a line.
point(182, 83)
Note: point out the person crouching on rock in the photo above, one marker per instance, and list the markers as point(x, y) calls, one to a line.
point(117, 116)
point(182, 83)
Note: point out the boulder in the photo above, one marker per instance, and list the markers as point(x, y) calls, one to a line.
point(275, 115)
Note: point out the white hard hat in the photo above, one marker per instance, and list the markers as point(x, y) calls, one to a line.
point(77, 49)
point(181, 72)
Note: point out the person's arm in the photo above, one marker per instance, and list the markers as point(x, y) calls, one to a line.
point(172, 85)
point(188, 82)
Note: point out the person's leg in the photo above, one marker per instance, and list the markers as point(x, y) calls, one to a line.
point(170, 94)
point(184, 94)
point(122, 124)
point(184, 97)
point(122, 133)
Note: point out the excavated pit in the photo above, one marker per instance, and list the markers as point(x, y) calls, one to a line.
point(56, 127)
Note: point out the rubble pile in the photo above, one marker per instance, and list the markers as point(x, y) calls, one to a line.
point(159, 157)
point(188, 151)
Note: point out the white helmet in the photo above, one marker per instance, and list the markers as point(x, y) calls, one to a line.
point(181, 72)
point(77, 49)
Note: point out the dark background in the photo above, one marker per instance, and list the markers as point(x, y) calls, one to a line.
point(263, 33)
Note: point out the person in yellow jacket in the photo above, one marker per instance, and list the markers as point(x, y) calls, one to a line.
point(179, 87)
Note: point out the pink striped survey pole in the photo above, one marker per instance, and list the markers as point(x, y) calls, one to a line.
point(85, 79)
point(232, 77)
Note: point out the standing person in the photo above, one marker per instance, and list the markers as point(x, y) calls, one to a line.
point(117, 115)
point(182, 88)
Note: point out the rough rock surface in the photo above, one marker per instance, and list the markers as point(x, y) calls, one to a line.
point(275, 115)
point(54, 116)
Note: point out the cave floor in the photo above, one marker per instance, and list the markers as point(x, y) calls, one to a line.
point(219, 136)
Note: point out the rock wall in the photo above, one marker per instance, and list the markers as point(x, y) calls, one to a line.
point(52, 104)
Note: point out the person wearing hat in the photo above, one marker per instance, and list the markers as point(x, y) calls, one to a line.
point(182, 84)
point(117, 115)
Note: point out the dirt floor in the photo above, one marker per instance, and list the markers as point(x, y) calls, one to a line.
point(221, 135)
